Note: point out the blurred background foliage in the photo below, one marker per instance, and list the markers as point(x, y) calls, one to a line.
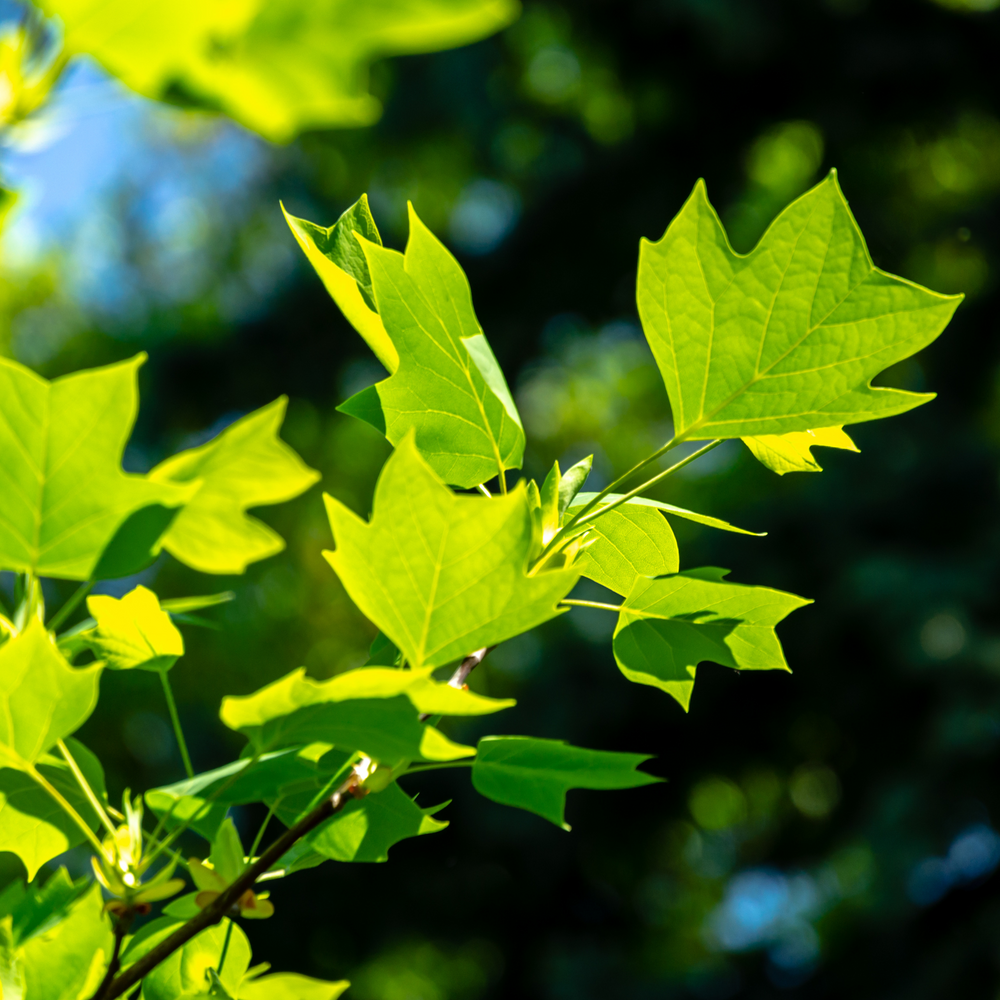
point(825, 834)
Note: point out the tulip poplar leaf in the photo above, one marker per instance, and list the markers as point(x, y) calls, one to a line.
point(441, 575)
point(134, 631)
point(61, 444)
point(787, 337)
point(536, 774)
point(247, 465)
point(448, 387)
point(668, 625)
point(792, 452)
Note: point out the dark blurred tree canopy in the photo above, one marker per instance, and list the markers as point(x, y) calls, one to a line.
point(828, 833)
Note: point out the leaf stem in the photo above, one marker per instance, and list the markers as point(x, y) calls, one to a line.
point(92, 798)
point(225, 948)
point(260, 832)
point(70, 606)
point(63, 804)
point(176, 720)
point(591, 604)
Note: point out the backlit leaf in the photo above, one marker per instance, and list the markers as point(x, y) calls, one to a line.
point(37, 907)
point(791, 452)
point(373, 709)
point(536, 774)
point(787, 337)
point(630, 541)
point(42, 698)
point(441, 575)
point(32, 824)
point(67, 961)
point(61, 443)
point(134, 632)
point(277, 68)
point(247, 465)
point(669, 625)
point(448, 387)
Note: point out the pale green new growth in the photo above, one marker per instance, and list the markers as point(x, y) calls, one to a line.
point(42, 698)
point(791, 452)
point(247, 465)
point(134, 632)
point(788, 337)
point(441, 575)
point(669, 625)
point(278, 68)
point(64, 492)
point(536, 774)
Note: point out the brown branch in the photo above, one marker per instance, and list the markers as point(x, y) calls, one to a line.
point(122, 925)
point(462, 671)
point(227, 900)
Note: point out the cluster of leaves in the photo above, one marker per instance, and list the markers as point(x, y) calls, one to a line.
point(777, 348)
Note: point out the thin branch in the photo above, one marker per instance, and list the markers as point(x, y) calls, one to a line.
point(94, 801)
point(224, 904)
point(176, 721)
point(462, 671)
point(122, 925)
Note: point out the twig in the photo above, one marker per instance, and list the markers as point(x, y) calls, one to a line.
point(226, 901)
point(122, 925)
point(461, 674)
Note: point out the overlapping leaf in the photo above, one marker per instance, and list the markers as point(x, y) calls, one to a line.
point(536, 774)
point(792, 452)
point(134, 632)
point(667, 626)
point(788, 337)
point(445, 384)
point(247, 465)
point(32, 824)
point(64, 494)
point(375, 710)
point(277, 68)
point(441, 575)
point(42, 698)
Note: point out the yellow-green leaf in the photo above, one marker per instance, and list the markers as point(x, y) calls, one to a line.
point(61, 443)
point(791, 452)
point(134, 632)
point(247, 465)
point(442, 575)
point(290, 986)
point(787, 337)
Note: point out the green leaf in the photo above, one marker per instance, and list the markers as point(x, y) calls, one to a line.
point(67, 961)
point(340, 262)
point(290, 986)
point(36, 908)
point(448, 387)
point(689, 515)
point(32, 824)
point(136, 543)
point(375, 710)
point(631, 541)
point(247, 465)
point(536, 774)
point(557, 494)
point(61, 443)
point(134, 632)
point(185, 972)
point(11, 970)
point(787, 337)
point(277, 68)
point(366, 828)
point(42, 698)
point(383, 652)
point(181, 605)
point(669, 625)
point(791, 452)
point(442, 575)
